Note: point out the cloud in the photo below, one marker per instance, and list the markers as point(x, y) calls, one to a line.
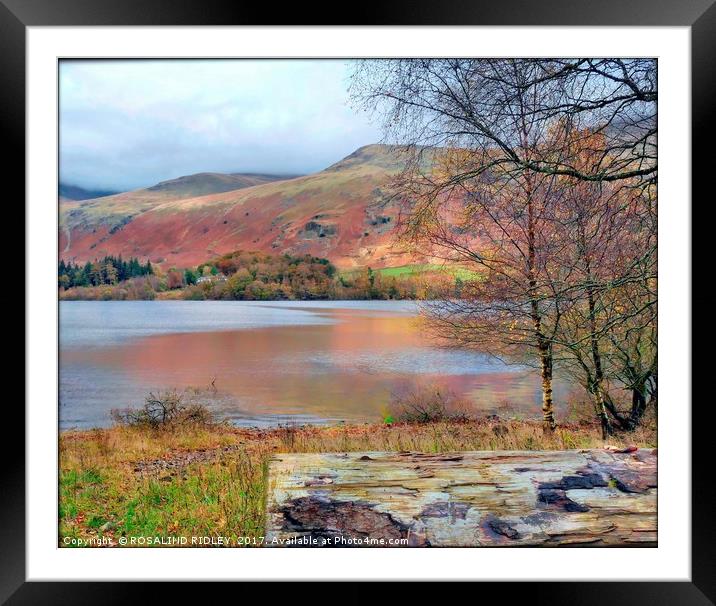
point(130, 124)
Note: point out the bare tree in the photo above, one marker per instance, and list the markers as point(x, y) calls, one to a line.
point(541, 173)
point(468, 103)
point(500, 220)
point(607, 300)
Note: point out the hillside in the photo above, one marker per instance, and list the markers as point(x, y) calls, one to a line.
point(202, 184)
point(73, 192)
point(339, 213)
point(85, 225)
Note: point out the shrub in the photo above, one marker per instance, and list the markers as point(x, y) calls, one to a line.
point(428, 405)
point(164, 410)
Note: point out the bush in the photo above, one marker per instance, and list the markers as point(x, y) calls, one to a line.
point(164, 410)
point(427, 406)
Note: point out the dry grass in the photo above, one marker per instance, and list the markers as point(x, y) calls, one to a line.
point(207, 481)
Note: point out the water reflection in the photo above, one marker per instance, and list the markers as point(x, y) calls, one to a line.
point(340, 362)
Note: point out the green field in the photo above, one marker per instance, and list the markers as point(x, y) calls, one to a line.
point(416, 270)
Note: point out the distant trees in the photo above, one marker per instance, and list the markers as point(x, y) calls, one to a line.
point(261, 276)
point(108, 270)
point(190, 276)
point(543, 174)
point(175, 279)
point(252, 276)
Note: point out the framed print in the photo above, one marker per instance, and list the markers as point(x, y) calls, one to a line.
point(396, 284)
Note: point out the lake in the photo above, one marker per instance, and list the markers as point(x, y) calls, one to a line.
point(270, 362)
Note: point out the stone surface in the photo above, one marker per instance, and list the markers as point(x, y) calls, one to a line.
point(466, 499)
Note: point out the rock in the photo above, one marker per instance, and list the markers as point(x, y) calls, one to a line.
point(466, 499)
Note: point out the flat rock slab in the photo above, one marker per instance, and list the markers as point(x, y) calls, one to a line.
point(465, 499)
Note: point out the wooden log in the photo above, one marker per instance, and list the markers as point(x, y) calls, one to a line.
point(465, 499)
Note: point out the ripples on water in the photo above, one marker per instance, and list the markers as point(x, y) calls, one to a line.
point(319, 361)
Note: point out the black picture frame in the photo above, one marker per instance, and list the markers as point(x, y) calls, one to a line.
point(699, 15)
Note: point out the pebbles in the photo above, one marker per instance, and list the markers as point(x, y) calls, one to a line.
point(179, 460)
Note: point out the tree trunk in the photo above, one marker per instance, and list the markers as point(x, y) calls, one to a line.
point(597, 388)
point(607, 429)
point(465, 499)
point(548, 420)
point(638, 406)
point(543, 345)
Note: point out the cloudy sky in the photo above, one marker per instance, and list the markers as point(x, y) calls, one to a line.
point(130, 124)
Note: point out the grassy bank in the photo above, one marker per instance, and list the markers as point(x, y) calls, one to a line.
point(211, 480)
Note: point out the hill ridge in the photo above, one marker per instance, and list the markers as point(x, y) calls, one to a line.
point(338, 213)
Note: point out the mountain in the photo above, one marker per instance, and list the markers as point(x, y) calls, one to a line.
point(202, 184)
point(73, 192)
point(107, 214)
point(340, 213)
